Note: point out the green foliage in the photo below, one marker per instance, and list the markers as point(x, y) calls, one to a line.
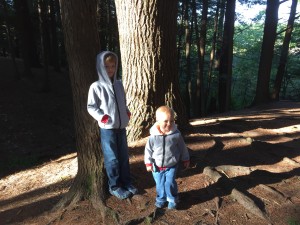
point(292, 221)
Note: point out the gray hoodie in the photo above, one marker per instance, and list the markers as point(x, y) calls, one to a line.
point(165, 150)
point(106, 97)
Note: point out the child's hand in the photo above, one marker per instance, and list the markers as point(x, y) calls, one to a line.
point(186, 164)
point(104, 119)
point(149, 168)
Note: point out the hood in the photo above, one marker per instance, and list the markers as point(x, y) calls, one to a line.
point(154, 130)
point(102, 74)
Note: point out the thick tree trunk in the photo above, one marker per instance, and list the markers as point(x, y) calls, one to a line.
point(284, 52)
point(148, 51)
point(82, 46)
point(267, 51)
point(225, 73)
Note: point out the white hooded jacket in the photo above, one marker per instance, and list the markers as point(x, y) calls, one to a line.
point(107, 98)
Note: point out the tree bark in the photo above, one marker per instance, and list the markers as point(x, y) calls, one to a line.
point(209, 107)
point(188, 41)
point(225, 73)
point(43, 20)
point(54, 11)
point(148, 51)
point(82, 45)
point(267, 51)
point(201, 42)
point(284, 52)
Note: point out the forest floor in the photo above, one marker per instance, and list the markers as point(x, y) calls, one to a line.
point(245, 165)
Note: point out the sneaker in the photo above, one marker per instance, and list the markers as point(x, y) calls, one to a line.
point(172, 205)
point(132, 189)
point(159, 204)
point(120, 193)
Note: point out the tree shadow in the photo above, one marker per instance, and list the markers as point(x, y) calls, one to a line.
point(32, 203)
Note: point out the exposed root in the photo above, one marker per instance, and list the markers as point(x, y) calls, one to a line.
point(291, 161)
point(241, 198)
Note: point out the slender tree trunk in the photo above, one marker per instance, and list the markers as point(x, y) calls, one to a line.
point(148, 51)
point(43, 16)
point(201, 49)
point(267, 52)
point(10, 42)
point(180, 34)
point(188, 39)
point(284, 52)
point(54, 11)
point(23, 19)
point(220, 35)
point(225, 74)
point(82, 46)
point(208, 106)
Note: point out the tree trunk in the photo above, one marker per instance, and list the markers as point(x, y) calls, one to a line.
point(188, 39)
point(24, 30)
point(54, 11)
point(82, 46)
point(209, 107)
point(180, 34)
point(43, 19)
point(148, 50)
point(267, 50)
point(9, 39)
point(225, 73)
point(284, 52)
point(220, 34)
point(201, 49)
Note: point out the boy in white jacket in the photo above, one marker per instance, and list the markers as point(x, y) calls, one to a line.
point(107, 104)
point(163, 151)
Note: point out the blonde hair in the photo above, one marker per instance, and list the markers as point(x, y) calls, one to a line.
point(109, 57)
point(164, 110)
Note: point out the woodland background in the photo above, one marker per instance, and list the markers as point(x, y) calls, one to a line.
point(199, 57)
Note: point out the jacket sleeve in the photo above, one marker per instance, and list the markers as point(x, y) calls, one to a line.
point(148, 152)
point(185, 156)
point(93, 103)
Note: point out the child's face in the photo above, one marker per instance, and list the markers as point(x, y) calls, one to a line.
point(165, 122)
point(110, 68)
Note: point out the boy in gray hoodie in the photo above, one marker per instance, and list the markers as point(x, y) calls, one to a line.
point(107, 105)
point(163, 151)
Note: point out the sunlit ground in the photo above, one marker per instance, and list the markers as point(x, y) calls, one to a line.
point(53, 178)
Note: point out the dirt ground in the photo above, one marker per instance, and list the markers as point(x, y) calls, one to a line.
point(245, 165)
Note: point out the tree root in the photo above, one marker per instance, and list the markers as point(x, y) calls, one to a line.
point(241, 198)
point(291, 161)
point(280, 197)
point(230, 170)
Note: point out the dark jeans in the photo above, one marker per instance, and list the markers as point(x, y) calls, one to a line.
point(116, 159)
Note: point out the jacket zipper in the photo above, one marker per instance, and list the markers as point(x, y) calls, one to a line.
point(117, 106)
point(164, 143)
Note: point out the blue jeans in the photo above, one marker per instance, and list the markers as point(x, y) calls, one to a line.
point(116, 159)
point(166, 186)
